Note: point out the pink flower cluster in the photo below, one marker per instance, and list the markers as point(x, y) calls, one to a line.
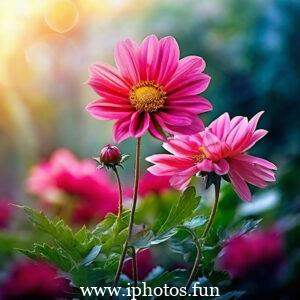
point(34, 280)
point(242, 254)
point(153, 90)
point(65, 180)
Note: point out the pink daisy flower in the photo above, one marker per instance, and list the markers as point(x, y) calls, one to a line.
point(219, 149)
point(150, 90)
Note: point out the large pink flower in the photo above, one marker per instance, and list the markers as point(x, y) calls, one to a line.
point(151, 89)
point(63, 180)
point(221, 149)
point(242, 254)
point(34, 280)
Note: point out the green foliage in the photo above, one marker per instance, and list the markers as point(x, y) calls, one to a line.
point(183, 214)
point(89, 256)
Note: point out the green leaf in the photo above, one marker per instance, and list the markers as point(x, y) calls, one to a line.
point(183, 214)
point(75, 246)
point(112, 232)
point(52, 254)
point(182, 210)
point(91, 256)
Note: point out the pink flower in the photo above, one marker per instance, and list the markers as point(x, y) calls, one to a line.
point(242, 254)
point(64, 180)
point(150, 90)
point(5, 213)
point(151, 184)
point(34, 280)
point(220, 148)
point(145, 264)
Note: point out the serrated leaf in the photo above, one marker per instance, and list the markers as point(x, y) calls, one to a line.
point(112, 232)
point(76, 246)
point(182, 210)
point(52, 254)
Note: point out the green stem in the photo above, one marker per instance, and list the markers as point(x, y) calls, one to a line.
point(134, 267)
point(213, 211)
point(120, 207)
point(195, 268)
point(131, 220)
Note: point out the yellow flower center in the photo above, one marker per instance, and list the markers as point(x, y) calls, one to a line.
point(147, 96)
point(203, 154)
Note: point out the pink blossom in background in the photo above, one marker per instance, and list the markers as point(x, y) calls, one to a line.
point(5, 213)
point(151, 184)
point(150, 90)
point(145, 262)
point(34, 280)
point(64, 178)
point(220, 148)
point(243, 254)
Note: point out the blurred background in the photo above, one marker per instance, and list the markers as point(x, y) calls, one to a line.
point(251, 48)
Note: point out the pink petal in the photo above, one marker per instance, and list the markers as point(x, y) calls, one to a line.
point(168, 60)
point(166, 165)
point(181, 148)
point(180, 182)
point(220, 126)
point(253, 173)
point(155, 130)
point(139, 123)
point(106, 81)
point(257, 135)
point(213, 145)
point(175, 118)
point(195, 127)
point(106, 110)
point(256, 160)
point(127, 60)
point(253, 122)
point(121, 129)
point(193, 104)
point(221, 167)
point(237, 134)
point(188, 78)
point(205, 165)
point(240, 185)
point(149, 51)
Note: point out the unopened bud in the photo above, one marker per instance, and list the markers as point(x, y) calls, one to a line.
point(110, 155)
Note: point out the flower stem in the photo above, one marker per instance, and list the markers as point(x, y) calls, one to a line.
point(131, 220)
point(120, 207)
point(134, 267)
point(195, 268)
point(213, 211)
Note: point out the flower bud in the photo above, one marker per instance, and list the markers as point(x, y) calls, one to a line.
point(110, 155)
